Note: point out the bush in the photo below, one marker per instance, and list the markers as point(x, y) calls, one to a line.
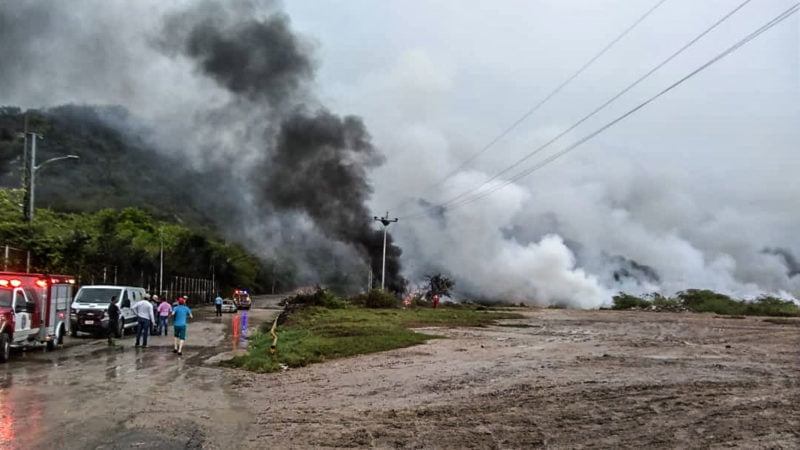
point(321, 297)
point(704, 300)
point(627, 301)
point(665, 302)
point(375, 298)
point(772, 306)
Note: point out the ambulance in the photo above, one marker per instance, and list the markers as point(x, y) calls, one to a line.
point(34, 309)
point(242, 299)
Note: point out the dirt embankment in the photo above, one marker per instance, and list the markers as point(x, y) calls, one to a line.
point(559, 378)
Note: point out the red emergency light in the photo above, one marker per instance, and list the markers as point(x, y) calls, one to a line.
point(12, 283)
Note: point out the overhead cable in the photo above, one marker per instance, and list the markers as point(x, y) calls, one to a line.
point(476, 190)
point(536, 107)
point(775, 21)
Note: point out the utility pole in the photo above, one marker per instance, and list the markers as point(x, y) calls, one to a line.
point(32, 176)
point(32, 168)
point(26, 170)
point(385, 221)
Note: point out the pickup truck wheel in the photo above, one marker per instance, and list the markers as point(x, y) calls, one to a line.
point(74, 331)
point(5, 347)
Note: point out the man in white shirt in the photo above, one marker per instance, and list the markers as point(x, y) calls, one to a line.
point(144, 314)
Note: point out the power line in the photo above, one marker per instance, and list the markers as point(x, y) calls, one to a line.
point(536, 107)
point(775, 21)
point(476, 190)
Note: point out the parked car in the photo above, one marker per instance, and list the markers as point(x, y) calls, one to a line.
point(228, 306)
point(89, 312)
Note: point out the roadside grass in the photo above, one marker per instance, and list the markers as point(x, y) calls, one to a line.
point(318, 334)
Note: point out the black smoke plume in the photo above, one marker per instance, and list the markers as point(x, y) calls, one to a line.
point(314, 163)
point(320, 167)
point(259, 60)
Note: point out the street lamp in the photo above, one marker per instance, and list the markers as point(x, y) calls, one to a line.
point(385, 221)
point(35, 168)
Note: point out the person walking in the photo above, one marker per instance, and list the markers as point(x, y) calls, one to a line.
point(113, 320)
point(179, 316)
point(218, 305)
point(154, 305)
point(144, 315)
point(164, 310)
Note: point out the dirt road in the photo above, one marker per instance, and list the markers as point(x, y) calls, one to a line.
point(558, 379)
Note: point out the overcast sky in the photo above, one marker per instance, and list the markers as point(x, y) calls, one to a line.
point(705, 176)
point(694, 187)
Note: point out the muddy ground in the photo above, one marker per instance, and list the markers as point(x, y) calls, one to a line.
point(557, 379)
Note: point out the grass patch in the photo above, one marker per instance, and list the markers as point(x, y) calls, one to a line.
point(317, 334)
point(514, 325)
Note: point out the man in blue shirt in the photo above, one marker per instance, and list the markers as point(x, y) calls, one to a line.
point(179, 315)
point(218, 305)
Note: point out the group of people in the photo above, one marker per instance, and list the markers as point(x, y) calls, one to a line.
point(145, 311)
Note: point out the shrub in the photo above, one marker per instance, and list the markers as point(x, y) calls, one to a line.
point(627, 301)
point(664, 302)
point(375, 298)
point(321, 297)
point(771, 306)
point(704, 300)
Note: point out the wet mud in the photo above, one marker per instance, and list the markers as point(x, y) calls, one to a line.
point(557, 379)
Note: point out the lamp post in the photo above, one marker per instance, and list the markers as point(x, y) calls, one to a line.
point(35, 168)
point(385, 221)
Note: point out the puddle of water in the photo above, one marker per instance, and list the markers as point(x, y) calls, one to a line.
point(240, 330)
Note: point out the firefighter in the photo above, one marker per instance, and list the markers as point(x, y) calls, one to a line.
point(113, 320)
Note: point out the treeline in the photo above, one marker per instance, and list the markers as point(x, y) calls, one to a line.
point(125, 246)
point(703, 300)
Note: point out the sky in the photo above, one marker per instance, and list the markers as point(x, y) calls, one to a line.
point(696, 185)
point(698, 189)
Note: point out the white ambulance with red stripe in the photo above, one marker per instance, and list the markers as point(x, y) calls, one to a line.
point(34, 309)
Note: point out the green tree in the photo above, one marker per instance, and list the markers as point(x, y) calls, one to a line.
point(438, 285)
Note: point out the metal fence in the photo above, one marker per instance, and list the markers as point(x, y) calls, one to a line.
point(195, 290)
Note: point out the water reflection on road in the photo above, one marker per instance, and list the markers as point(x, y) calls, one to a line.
point(239, 327)
point(20, 414)
point(89, 394)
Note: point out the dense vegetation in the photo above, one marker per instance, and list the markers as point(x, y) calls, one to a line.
point(116, 169)
point(321, 326)
point(125, 246)
point(701, 300)
point(102, 217)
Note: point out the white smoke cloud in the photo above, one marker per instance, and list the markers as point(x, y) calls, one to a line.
point(694, 187)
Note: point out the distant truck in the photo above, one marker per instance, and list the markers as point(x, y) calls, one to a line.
point(242, 299)
point(34, 308)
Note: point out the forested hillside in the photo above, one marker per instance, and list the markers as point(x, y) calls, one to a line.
point(103, 216)
point(115, 170)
